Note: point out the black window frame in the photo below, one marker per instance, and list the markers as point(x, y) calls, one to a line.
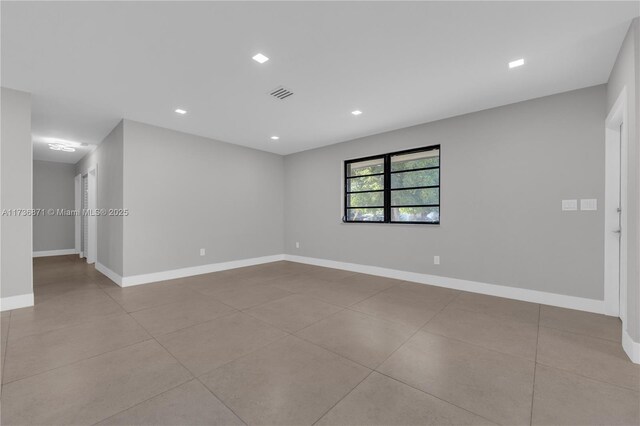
point(387, 190)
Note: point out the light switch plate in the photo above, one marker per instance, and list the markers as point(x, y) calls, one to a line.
point(589, 204)
point(569, 205)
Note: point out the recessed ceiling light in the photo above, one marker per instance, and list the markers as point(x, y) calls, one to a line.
point(275, 138)
point(181, 111)
point(516, 63)
point(356, 112)
point(260, 58)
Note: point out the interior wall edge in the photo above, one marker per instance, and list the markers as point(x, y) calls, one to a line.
point(631, 348)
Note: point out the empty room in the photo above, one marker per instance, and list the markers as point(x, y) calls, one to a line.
point(320, 213)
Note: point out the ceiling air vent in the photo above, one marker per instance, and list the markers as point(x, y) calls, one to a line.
point(281, 93)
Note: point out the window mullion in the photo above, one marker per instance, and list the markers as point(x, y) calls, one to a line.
point(346, 194)
point(387, 188)
point(416, 213)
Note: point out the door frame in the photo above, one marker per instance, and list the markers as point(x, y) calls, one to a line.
point(616, 180)
point(92, 176)
point(92, 187)
point(78, 218)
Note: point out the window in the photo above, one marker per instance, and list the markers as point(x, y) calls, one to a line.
point(399, 187)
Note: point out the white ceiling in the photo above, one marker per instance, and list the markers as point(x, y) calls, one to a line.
point(88, 64)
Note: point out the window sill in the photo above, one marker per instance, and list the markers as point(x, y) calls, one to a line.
point(395, 224)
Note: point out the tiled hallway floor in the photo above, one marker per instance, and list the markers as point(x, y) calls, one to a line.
point(293, 344)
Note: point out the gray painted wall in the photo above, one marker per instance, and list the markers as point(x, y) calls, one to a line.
point(16, 274)
point(504, 174)
point(626, 73)
point(53, 188)
point(109, 161)
point(186, 192)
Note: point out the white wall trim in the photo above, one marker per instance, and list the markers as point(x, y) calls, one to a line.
point(571, 302)
point(630, 347)
point(61, 252)
point(77, 182)
point(16, 302)
point(109, 273)
point(92, 176)
point(133, 280)
point(534, 296)
point(616, 182)
point(196, 270)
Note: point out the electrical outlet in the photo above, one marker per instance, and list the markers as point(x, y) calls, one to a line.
point(202, 252)
point(297, 244)
point(436, 260)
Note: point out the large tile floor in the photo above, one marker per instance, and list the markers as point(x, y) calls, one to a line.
point(293, 344)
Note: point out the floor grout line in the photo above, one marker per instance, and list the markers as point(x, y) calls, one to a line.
point(334, 352)
point(316, 322)
point(234, 311)
point(371, 316)
point(78, 361)
point(411, 337)
point(535, 365)
point(149, 337)
point(589, 378)
point(382, 362)
point(497, 317)
point(142, 402)
point(194, 377)
point(243, 355)
point(435, 396)
point(345, 395)
point(582, 334)
point(411, 386)
point(289, 334)
point(221, 401)
point(455, 339)
point(4, 353)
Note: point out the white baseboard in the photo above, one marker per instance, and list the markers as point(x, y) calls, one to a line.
point(109, 273)
point(527, 295)
point(571, 302)
point(62, 252)
point(560, 300)
point(196, 270)
point(16, 302)
point(132, 280)
point(631, 347)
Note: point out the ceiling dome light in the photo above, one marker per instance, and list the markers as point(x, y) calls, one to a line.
point(275, 138)
point(62, 142)
point(356, 112)
point(181, 111)
point(60, 147)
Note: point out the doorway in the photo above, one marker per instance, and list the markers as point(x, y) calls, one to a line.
point(615, 220)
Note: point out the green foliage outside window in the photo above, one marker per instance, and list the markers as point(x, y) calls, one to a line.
point(368, 175)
